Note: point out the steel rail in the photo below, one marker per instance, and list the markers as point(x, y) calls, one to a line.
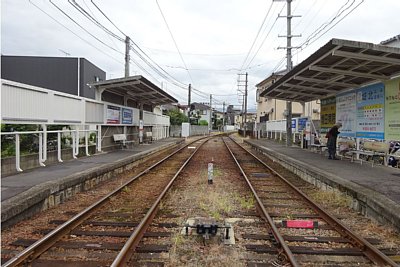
point(278, 237)
point(370, 251)
point(129, 248)
point(43, 244)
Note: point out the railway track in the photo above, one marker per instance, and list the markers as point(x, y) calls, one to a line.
point(98, 231)
point(300, 227)
point(155, 218)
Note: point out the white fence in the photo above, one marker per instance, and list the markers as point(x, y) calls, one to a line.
point(26, 104)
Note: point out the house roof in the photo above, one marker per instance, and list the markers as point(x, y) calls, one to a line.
point(199, 106)
point(338, 66)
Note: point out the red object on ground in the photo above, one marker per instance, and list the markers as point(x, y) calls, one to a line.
point(300, 224)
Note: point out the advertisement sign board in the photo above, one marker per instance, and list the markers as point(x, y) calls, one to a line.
point(392, 110)
point(370, 111)
point(127, 116)
point(113, 114)
point(346, 113)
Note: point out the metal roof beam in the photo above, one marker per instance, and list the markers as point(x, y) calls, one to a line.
point(350, 73)
point(302, 87)
point(326, 82)
point(295, 93)
point(366, 57)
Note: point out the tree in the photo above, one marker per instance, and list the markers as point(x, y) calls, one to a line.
point(176, 117)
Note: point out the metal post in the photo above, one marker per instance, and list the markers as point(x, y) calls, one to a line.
point(17, 153)
point(41, 150)
point(87, 143)
point(44, 126)
point(99, 138)
point(59, 147)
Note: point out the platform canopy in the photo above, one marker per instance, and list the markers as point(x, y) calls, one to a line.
point(338, 66)
point(136, 88)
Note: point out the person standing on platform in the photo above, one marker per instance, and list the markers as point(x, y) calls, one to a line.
point(332, 138)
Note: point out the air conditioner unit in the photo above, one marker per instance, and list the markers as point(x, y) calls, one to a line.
point(315, 110)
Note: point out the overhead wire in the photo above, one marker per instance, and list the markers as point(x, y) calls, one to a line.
point(84, 40)
point(83, 28)
point(265, 38)
point(172, 36)
point(258, 33)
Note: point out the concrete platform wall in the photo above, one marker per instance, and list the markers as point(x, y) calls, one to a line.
point(370, 204)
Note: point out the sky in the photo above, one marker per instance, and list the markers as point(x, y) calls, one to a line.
point(205, 43)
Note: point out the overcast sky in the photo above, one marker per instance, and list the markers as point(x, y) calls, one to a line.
point(213, 36)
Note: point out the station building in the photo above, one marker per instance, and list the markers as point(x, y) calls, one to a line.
point(75, 93)
point(358, 84)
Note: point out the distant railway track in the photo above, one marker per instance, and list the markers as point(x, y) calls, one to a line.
point(151, 220)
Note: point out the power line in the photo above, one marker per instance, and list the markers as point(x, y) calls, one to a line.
point(265, 38)
point(101, 11)
point(94, 20)
point(83, 28)
point(258, 33)
point(176, 45)
point(75, 33)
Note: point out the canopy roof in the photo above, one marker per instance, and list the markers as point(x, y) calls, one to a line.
point(340, 65)
point(137, 88)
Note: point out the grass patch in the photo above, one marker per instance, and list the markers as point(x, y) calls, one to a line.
point(331, 198)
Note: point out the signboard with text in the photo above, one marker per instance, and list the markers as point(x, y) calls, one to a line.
point(346, 113)
point(127, 116)
point(392, 110)
point(370, 111)
point(113, 114)
point(328, 113)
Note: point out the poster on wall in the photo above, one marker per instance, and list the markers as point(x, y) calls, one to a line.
point(127, 116)
point(328, 113)
point(346, 113)
point(370, 111)
point(392, 110)
point(113, 114)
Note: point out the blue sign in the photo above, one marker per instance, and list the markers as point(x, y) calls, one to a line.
point(293, 123)
point(302, 124)
point(127, 116)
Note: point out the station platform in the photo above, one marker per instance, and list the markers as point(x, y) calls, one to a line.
point(375, 189)
point(37, 189)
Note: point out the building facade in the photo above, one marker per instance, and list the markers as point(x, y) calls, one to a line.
point(63, 74)
point(275, 109)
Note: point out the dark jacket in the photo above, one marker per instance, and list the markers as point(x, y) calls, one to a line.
point(332, 135)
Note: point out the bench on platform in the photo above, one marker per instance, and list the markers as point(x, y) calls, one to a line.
point(346, 147)
point(121, 140)
point(321, 146)
point(372, 149)
point(149, 137)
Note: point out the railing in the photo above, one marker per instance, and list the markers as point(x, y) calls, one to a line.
point(43, 144)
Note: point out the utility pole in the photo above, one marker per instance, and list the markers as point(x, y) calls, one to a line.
point(210, 124)
point(245, 106)
point(127, 48)
point(242, 83)
point(289, 66)
point(223, 116)
point(189, 99)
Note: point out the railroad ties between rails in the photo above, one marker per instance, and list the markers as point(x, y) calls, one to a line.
point(142, 223)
